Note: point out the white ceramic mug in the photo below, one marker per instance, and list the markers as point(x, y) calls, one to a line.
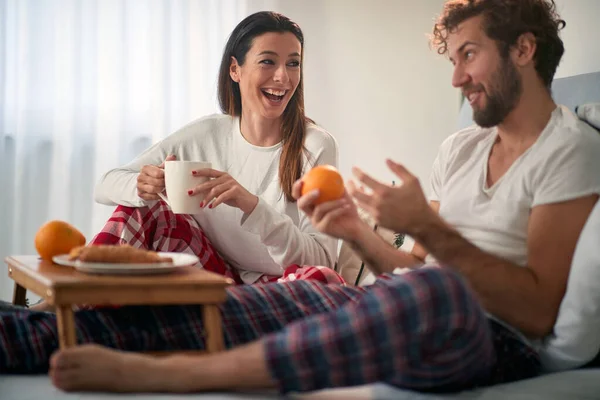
point(178, 180)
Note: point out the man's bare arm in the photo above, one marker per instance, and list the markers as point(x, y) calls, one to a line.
point(418, 250)
point(380, 256)
point(525, 297)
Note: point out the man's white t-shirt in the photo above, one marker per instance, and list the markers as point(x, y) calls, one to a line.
point(563, 164)
point(276, 234)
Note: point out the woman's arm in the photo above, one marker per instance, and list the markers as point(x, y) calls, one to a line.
point(287, 243)
point(303, 244)
point(119, 186)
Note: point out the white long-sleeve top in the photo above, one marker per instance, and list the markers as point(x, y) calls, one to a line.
point(276, 233)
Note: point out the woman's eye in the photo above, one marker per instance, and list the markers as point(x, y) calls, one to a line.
point(294, 64)
point(267, 62)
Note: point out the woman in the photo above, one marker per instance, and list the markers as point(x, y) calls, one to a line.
point(260, 145)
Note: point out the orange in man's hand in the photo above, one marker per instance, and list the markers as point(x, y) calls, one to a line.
point(57, 237)
point(327, 180)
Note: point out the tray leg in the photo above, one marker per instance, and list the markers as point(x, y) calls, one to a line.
point(66, 326)
point(214, 329)
point(19, 295)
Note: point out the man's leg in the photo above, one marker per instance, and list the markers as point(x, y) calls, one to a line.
point(8, 307)
point(28, 338)
point(423, 330)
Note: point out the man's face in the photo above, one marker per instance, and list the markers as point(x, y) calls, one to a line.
point(490, 82)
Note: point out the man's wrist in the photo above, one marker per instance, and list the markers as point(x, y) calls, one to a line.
point(431, 223)
point(358, 234)
point(444, 243)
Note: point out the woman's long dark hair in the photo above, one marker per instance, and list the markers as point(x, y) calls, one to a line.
point(293, 126)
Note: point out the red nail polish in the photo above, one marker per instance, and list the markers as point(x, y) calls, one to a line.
point(190, 192)
point(210, 206)
point(202, 204)
point(193, 172)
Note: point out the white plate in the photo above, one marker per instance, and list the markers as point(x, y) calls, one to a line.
point(179, 260)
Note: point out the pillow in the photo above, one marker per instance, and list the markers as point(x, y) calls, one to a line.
point(590, 113)
point(576, 337)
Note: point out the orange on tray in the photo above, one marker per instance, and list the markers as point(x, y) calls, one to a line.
point(57, 237)
point(327, 180)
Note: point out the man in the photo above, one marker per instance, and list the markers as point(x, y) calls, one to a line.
point(509, 199)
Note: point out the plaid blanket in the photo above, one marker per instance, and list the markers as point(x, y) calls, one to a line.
point(423, 330)
point(157, 228)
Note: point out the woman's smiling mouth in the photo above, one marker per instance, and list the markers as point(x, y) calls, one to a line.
point(274, 95)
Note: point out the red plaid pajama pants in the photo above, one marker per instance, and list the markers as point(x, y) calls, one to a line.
point(423, 330)
point(157, 228)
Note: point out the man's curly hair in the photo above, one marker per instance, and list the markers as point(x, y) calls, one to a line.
point(504, 21)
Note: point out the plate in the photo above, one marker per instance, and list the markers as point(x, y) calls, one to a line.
point(180, 260)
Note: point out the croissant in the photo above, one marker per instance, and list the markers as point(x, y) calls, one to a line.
point(121, 254)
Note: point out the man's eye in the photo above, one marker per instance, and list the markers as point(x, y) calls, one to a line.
point(469, 54)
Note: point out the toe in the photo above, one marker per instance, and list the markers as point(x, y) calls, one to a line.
point(62, 359)
point(58, 360)
point(63, 379)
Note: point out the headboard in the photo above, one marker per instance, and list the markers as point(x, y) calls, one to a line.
point(570, 91)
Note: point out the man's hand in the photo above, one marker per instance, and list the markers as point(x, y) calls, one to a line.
point(338, 218)
point(401, 208)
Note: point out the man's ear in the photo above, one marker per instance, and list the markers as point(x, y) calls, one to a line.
point(524, 50)
point(234, 70)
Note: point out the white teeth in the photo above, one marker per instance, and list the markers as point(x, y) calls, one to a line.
point(275, 92)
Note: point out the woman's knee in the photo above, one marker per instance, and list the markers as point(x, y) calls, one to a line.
point(312, 273)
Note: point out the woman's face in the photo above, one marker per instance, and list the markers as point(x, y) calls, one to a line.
point(270, 74)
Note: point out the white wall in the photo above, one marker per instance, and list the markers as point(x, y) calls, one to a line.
point(373, 82)
point(581, 37)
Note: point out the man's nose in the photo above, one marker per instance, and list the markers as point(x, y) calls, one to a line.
point(459, 77)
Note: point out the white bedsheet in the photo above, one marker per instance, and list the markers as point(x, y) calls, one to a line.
point(571, 385)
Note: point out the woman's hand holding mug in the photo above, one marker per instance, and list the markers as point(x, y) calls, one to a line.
point(151, 180)
point(220, 188)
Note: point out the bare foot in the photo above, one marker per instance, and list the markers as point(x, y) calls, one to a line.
point(96, 368)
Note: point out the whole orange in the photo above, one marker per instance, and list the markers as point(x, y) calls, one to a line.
point(57, 237)
point(327, 180)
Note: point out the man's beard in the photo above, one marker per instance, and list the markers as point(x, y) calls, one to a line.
point(505, 92)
